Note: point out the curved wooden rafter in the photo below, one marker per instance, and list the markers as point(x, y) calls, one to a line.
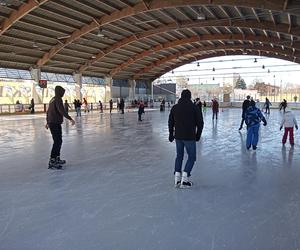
point(226, 53)
point(265, 48)
point(195, 39)
point(254, 24)
point(276, 5)
point(16, 15)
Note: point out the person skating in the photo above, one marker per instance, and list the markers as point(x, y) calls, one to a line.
point(85, 105)
point(198, 103)
point(141, 110)
point(67, 106)
point(204, 106)
point(110, 105)
point(187, 120)
point(101, 107)
point(55, 114)
point(288, 121)
point(215, 108)
point(283, 105)
point(253, 117)
point(267, 106)
point(245, 106)
point(122, 105)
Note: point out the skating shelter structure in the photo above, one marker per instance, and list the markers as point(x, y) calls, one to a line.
point(117, 191)
point(141, 39)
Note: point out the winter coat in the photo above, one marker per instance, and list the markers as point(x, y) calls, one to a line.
point(215, 106)
point(141, 109)
point(254, 116)
point(187, 120)
point(289, 120)
point(56, 111)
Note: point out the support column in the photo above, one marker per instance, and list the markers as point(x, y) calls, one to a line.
point(78, 85)
point(36, 75)
point(108, 85)
point(132, 86)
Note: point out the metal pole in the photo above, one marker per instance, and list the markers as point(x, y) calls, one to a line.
point(152, 91)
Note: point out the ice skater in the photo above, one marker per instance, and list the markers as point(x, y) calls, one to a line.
point(110, 105)
point(66, 107)
point(267, 106)
point(101, 106)
point(85, 105)
point(55, 114)
point(215, 108)
point(288, 121)
point(253, 118)
point(122, 105)
point(283, 105)
point(32, 106)
point(187, 120)
point(141, 110)
point(245, 106)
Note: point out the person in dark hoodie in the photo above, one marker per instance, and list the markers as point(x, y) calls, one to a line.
point(253, 117)
point(245, 106)
point(55, 114)
point(187, 120)
point(141, 110)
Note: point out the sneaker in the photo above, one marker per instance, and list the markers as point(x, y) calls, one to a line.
point(53, 164)
point(254, 147)
point(60, 161)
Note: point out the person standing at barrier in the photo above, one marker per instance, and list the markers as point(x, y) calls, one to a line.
point(55, 114)
point(187, 120)
point(245, 106)
point(253, 117)
point(32, 106)
point(288, 121)
point(215, 108)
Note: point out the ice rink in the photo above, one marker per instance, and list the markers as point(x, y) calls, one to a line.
point(117, 189)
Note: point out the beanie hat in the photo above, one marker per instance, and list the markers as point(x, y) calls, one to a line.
point(186, 94)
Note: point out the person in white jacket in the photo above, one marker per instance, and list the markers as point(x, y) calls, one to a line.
point(288, 121)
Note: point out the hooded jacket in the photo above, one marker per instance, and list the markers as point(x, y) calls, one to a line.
point(254, 116)
point(56, 111)
point(187, 120)
point(289, 120)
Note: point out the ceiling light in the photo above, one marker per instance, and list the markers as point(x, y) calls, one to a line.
point(34, 45)
point(63, 37)
point(172, 71)
point(198, 64)
point(201, 15)
point(244, 52)
point(213, 69)
point(263, 67)
point(100, 33)
point(213, 78)
point(93, 57)
point(255, 60)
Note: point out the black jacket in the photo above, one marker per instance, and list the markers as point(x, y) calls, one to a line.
point(187, 120)
point(56, 111)
point(246, 105)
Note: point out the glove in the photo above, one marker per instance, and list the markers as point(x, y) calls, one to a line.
point(296, 127)
point(265, 124)
point(171, 137)
point(280, 127)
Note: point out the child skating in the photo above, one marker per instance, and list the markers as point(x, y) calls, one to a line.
point(253, 117)
point(288, 121)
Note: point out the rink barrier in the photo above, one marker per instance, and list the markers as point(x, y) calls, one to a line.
point(42, 108)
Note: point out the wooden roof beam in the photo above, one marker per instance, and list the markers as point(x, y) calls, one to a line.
point(172, 26)
point(194, 39)
point(16, 15)
point(274, 51)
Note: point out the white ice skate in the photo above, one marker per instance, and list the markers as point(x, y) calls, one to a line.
point(177, 179)
point(185, 182)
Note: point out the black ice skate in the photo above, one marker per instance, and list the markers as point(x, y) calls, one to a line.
point(53, 164)
point(60, 161)
point(185, 182)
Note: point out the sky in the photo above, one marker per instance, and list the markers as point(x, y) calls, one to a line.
point(275, 71)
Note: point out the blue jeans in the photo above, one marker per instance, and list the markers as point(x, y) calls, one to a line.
point(78, 111)
point(190, 147)
point(252, 135)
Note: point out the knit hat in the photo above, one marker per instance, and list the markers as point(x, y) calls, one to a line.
point(186, 94)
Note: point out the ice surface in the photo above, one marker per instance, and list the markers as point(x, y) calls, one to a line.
point(117, 190)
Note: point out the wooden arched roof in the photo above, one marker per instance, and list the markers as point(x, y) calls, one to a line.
point(142, 39)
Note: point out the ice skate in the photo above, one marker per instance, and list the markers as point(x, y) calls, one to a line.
point(60, 161)
point(177, 179)
point(185, 182)
point(53, 164)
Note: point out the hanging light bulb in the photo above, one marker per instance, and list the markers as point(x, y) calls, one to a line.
point(188, 79)
point(198, 64)
point(255, 60)
point(268, 71)
point(213, 78)
point(263, 67)
point(172, 71)
point(213, 69)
